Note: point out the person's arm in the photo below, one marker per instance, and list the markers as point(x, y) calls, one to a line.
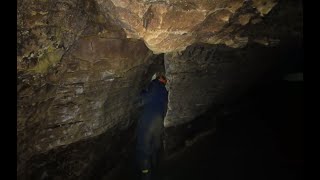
point(144, 96)
point(146, 93)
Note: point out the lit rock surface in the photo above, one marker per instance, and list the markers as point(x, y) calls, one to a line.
point(172, 25)
point(82, 63)
point(82, 85)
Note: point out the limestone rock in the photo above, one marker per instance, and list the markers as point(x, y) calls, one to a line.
point(84, 90)
point(205, 75)
point(81, 64)
point(172, 25)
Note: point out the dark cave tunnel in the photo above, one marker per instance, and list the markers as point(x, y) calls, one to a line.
point(256, 134)
point(235, 109)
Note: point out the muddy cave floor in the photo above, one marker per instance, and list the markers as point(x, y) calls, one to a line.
point(260, 138)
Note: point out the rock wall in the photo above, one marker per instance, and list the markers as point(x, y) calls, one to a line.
point(82, 88)
point(203, 77)
point(81, 64)
point(172, 25)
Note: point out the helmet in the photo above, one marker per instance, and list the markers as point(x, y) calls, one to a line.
point(162, 79)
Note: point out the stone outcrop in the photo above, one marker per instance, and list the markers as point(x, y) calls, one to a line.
point(83, 87)
point(172, 25)
point(82, 63)
point(204, 78)
point(202, 74)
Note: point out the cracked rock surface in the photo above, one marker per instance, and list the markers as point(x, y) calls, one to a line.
point(82, 63)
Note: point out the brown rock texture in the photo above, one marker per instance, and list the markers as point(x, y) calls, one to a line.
point(204, 74)
point(78, 77)
point(172, 25)
point(82, 63)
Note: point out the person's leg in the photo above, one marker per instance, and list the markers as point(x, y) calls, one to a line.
point(145, 172)
point(156, 146)
point(144, 150)
point(155, 152)
point(148, 144)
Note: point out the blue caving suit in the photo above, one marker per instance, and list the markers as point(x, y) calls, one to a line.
point(150, 127)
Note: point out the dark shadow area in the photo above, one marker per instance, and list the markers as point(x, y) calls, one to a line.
point(256, 135)
point(259, 135)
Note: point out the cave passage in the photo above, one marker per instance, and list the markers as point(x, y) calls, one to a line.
point(235, 77)
point(259, 135)
point(253, 134)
